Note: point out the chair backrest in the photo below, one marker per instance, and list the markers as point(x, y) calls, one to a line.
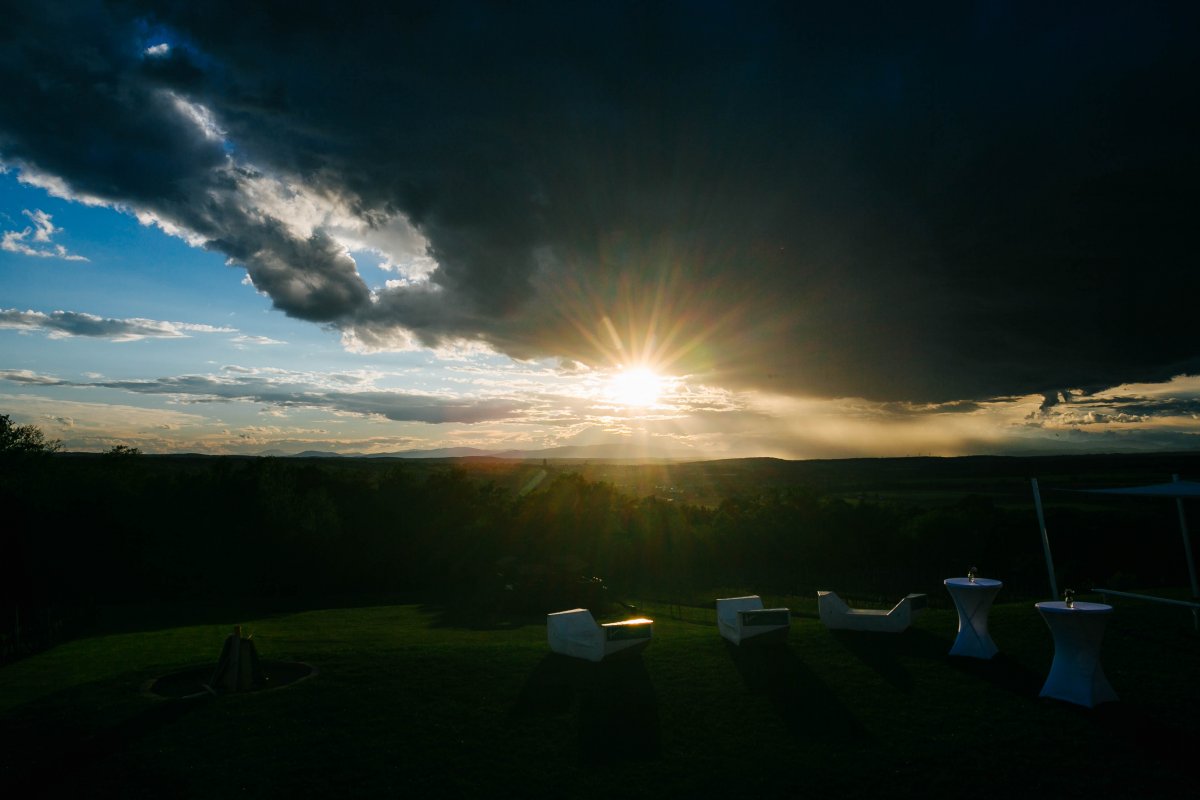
point(829, 602)
point(908, 608)
point(573, 619)
point(728, 607)
point(765, 617)
point(629, 629)
point(575, 633)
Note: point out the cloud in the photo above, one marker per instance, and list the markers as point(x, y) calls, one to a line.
point(60, 324)
point(99, 426)
point(29, 377)
point(393, 405)
point(921, 206)
point(1174, 403)
point(284, 389)
point(527, 395)
point(243, 340)
point(36, 240)
point(561, 407)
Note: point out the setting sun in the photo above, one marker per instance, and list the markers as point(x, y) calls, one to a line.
point(637, 386)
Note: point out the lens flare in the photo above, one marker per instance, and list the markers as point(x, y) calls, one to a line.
point(635, 386)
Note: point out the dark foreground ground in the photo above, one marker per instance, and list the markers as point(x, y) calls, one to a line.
point(411, 699)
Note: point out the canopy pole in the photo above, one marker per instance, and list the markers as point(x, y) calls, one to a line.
point(1037, 503)
point(1187, 553)
point(1187, 542)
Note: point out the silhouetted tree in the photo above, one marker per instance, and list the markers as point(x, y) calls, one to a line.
point(24, 439)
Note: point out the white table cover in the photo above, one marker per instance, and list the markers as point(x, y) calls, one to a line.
point(1075, 674)
point(973, 600)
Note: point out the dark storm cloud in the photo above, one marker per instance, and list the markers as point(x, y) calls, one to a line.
point(903, 202)
point(924, 409)
point(84, 102)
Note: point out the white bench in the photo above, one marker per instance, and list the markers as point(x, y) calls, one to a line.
point(838, 616)
point(576, 633)
point(743, 618)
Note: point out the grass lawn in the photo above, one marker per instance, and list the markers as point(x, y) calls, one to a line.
point(408, 700)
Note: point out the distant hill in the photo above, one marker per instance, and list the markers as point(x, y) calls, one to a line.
point(443, 452)
point(605, 451)
point(597, 451)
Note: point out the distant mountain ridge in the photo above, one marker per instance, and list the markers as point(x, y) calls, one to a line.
point(606, 451)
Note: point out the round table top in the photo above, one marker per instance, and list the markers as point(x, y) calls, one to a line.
point(978, 583)
point(1080, 607)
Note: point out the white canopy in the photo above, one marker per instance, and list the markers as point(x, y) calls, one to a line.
point(1176, 489)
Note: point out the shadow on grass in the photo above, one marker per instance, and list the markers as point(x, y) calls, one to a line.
point(550, 688)
point(617, 708)
point(44, 741)
point(477, 616)
point(1154, 740)
point(1002, 672)
point(149, 617)
point(885, 652)
point(806, 705)
point(193, 682)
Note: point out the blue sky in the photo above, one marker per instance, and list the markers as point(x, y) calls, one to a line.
point(212, 324)
point(692, 230)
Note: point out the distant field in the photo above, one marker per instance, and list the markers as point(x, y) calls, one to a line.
point(912, 481)
point(916, 480)
point(408, 701)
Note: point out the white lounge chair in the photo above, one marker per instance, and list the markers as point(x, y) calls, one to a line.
point(576, 633)
point(743, 618)
point(838, 616)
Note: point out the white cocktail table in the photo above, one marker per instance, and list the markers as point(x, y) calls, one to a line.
point(1075, 674)
point(973, 599)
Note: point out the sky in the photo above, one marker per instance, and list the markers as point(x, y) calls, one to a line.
point(694, 229)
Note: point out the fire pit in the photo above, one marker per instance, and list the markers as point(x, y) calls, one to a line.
point(238, 670)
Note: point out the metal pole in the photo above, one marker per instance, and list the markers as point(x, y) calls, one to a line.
point(1187, 553)
point(1037, 503)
